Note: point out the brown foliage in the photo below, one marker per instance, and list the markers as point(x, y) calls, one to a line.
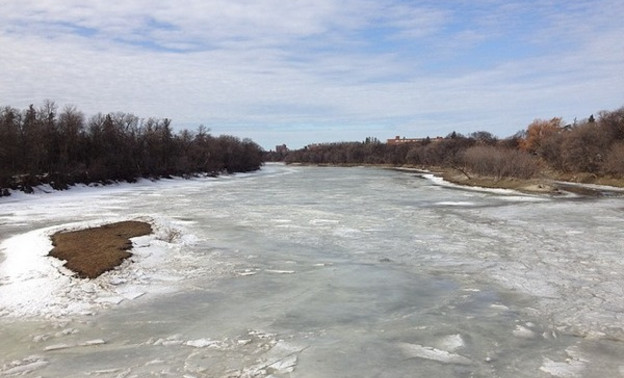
point(550, 150)
point(613, 122)
point(538, 131)
point(500, 162)
point(584, 148)
point(614, 162)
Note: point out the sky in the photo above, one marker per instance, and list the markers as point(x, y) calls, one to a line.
point(298, 72)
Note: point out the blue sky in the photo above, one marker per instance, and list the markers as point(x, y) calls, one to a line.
point(307, 71)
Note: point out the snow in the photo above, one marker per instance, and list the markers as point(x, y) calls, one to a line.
point(439, 181)
point(34, 284)
point(606, 188)
point(510, 195)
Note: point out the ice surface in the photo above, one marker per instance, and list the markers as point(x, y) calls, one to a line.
point(23, 367)
point(573, 366)
point(452, 342)
point(201, 343)
point(278, 271)
point(434, 354)
point(455, 203)
point(523, 332)
point(565, 369)
point(81, 344)
point(349, 272)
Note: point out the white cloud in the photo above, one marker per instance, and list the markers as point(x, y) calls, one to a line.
point(316, 69)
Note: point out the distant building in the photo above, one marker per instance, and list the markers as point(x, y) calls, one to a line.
point(400, 140)
point(281, 149)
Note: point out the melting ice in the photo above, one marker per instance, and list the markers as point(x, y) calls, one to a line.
point(318, 272)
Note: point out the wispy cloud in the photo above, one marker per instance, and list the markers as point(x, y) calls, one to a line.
point(305, 71)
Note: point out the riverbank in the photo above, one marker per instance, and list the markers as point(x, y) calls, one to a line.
point(93, 251)
point(532, 186)
point(553, 184)
point(547, 183)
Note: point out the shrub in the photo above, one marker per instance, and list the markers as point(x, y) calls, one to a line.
point(584, 147)
point(614, 162)
point(500, 162)
point(539, 130)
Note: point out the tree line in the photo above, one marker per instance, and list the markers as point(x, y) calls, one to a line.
point(592, 146)
point(42, 145)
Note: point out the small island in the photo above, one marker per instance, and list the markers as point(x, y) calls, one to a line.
point(93, 251)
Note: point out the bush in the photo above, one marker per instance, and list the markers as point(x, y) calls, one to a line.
point(500, 162)
point(584, 148)
point(614, 162)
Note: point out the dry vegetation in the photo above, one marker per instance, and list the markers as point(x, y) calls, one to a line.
point(94, 251)
point(589, 151)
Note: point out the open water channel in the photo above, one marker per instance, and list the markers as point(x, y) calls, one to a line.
point(320, 272)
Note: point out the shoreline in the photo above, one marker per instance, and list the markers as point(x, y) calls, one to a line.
point(547, 184)
point(598, 187)
point(543, 185)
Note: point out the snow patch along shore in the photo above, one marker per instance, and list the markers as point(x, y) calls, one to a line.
point(33, 284)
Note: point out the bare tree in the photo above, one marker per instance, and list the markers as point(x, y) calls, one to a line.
point(614, 161)
point(584, 148)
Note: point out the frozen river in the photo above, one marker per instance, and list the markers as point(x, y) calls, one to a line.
point(318, 272)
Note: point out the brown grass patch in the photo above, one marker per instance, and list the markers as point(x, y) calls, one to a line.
point(94, 251)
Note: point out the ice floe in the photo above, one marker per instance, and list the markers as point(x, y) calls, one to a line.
point(572, 366)
point(255, 354)
point(23, 367)
point(433, 354)
point(455, 203)
point(202, 343)
point(279, 271)
point(523, 332)
point(451, 342)
point(82, 344)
